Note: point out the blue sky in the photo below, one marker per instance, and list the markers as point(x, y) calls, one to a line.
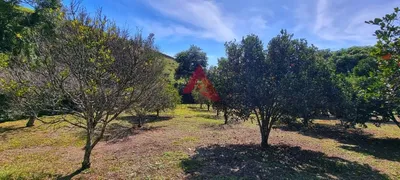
point(177, 24)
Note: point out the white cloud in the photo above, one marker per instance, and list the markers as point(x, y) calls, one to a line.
point(341, 21)
point(336, 21)
point(166, 29)
point(323, 20)
point(202, 17)
point(207, 19)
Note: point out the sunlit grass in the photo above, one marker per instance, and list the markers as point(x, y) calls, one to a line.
point(46, 151)
point(17, 136)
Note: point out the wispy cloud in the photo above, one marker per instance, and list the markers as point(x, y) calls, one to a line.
point(342, 21)
point(338, 22)
point(207, 19)
point(166, 29)
point(200, 17)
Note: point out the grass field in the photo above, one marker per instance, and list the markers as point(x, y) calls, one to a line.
point(191, 143)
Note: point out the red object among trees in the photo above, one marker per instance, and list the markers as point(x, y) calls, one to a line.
point(387, 56)
point(207, 91)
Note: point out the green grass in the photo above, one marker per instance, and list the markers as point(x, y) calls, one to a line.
point(193, 143)
point(188, 139)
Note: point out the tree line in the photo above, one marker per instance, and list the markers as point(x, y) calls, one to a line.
point(290, 80)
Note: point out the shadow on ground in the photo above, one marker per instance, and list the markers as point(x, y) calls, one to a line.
point(198, 109)
point(34, 175)
point(355, 140)
point(209, 116)
point(147, 119)
point(117, 132)
point(277, 162)
point(10, 128)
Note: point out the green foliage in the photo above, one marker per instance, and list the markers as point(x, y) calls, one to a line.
point(357, 88)
point(222, 79)
point(283, 80)
point(4, 106)
point(385, 87)
point(198, 97)
point(388, 34)
point(162, 95)
point(18, 23)
point(86, 66)
point(19, 27)
point(189, 60)
point(347, 59)
point(312, 86)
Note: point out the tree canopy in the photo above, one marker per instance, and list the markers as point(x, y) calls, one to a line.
point(189, 60)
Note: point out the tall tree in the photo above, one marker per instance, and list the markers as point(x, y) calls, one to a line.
point(98, 67)
point(387, 50)
point(18, 26)
point(312, 84)
point(189, 60)
point(222, 79)
point(160, 96)
point(265, 80)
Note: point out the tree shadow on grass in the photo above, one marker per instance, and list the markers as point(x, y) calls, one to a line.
point(198, 109)
point(10, 128)
point(34, 175)
point(147, 119)
point(355, 140)
point(209, 116)
point(277, 162)
point(118, 132)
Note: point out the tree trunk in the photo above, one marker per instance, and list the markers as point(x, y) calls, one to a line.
point(226, 115)
point(88, 150)
point(86, 158)
point(305, 121)
point(394, 119)
point(31, 121)
point(265, 128)
point(217, 112)
point(265, 134)
point(208, 107)
point(140, 121)
point(201, 105)
point(158, 113)
point(264, 139)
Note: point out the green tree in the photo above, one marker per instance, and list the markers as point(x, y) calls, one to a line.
point(189, 60)
point(264, 80)
point(160, 96)
point(361, 90)
point(198, 97)
point(17, 23)
point(18, 28)
point(97, 66)
point(222, 79)
point(168, 96)
point(387, 50)
point(346, 60)
point(312, 84)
